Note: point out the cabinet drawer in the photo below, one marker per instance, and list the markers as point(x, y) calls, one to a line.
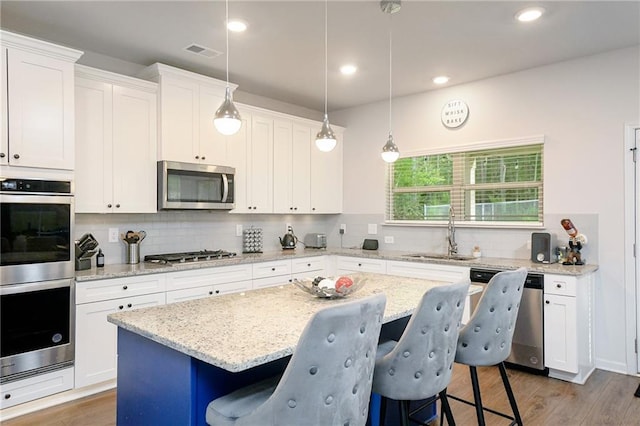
point(562, 285)
point(308, 264)
point(361, 265)
point(208, 276)
point(20, 391)
point(271, 281)
point(272, 269)
point(235, 287)
point(95, 291)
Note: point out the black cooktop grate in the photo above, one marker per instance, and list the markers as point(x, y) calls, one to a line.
point(189, 256)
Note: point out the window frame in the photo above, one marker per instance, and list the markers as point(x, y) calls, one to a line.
point(459, 184)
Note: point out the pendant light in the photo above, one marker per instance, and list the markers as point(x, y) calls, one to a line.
point(390, 152)
point(325, 139)
point(227, 119)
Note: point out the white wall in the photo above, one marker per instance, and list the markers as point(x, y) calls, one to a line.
point(581, 106)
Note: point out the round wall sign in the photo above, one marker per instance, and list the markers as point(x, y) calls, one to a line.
point(454, 113)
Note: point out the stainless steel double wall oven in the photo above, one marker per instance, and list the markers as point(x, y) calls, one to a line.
point(37, 324)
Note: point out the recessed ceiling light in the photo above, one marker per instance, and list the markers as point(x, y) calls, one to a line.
point(348, 69)
point(441, 79)
point(236, 25)
point(529, 14)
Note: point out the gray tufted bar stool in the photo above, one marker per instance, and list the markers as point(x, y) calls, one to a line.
point(486, 339)
point(326, 382)
point(418, 366)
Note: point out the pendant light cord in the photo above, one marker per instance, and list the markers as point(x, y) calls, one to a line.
point(325, 58)
point(226, 26)
point(390, 67)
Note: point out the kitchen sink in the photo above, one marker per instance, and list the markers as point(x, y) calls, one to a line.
point(438, 256)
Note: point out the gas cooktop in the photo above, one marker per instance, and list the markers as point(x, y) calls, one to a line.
point(189, 256)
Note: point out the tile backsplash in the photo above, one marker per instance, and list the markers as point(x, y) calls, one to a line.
point(198, 230)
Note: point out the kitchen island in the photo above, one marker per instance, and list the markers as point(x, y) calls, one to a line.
point(174, 359)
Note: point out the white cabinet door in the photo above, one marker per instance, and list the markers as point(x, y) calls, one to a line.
point(282, 167)
point(116, 133)
point(94, 149)
point(96, 338)
point(4, 128)
point(213, 146)
point(134, 151)
point(301, 168)
point(560, 333)
point(179, 115)
point(260, 170)
point(40, 107)
point(326, 179)
point(239, 159)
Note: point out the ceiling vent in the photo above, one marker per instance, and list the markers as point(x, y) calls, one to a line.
point(202, 51)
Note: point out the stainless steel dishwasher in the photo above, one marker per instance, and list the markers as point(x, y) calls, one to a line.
point(527, 349)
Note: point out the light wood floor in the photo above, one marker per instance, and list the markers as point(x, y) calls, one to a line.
point(606, 399)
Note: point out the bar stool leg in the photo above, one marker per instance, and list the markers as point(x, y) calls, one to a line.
point(476, 395)
point(512, 399)
point(446, 408)
point(404, 413)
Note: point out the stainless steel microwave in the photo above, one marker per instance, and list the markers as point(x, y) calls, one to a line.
point(188, 186)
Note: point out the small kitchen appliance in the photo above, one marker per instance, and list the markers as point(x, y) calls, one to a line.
point(315, 240)
point(85, 249)
point(543, 246)
point(289, 240)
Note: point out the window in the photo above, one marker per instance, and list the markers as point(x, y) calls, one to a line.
point(485, 186)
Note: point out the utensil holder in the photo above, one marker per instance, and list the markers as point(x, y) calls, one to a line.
point(133, 253)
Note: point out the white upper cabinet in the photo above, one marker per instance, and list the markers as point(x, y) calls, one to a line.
point(326, 178)
point(188, 103)
point(37, 120)
point(291, 167)
point(116, 143)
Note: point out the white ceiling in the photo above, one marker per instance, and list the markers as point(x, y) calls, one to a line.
point(281, 55)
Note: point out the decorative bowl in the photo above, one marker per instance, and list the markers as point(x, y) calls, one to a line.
point(330, 288)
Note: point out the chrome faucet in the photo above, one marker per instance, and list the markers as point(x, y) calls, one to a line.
point(451, 234)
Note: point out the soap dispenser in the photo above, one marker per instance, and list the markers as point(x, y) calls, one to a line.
point(100, 259)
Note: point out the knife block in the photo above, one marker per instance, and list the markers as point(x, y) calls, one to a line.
point(83, 264)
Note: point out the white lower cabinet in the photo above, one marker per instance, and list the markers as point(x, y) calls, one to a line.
point(568, 327)
point(199, 283)
point(347, 265)
point(308, 267)
point(96, 338)
point(269, 274)
point(25, 390)
point(430, 271)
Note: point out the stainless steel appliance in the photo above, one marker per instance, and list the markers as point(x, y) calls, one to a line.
point(36, 276)
point(185, 186)
point(315, 240)
point(37, 327)
point(527, 349)
point(189, 256)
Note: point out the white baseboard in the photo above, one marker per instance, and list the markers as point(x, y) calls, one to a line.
point(50, 401)
point(615, 367)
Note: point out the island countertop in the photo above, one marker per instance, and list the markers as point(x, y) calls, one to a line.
point(243, 330)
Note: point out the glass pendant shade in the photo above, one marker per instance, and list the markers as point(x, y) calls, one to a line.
point(227, 119)
point(326, 139)
point(390, 152)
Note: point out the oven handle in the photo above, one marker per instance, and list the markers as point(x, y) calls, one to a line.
point(35, 286)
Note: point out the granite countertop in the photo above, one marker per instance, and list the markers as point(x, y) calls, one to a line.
point(243, 330)
point(126, 270)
